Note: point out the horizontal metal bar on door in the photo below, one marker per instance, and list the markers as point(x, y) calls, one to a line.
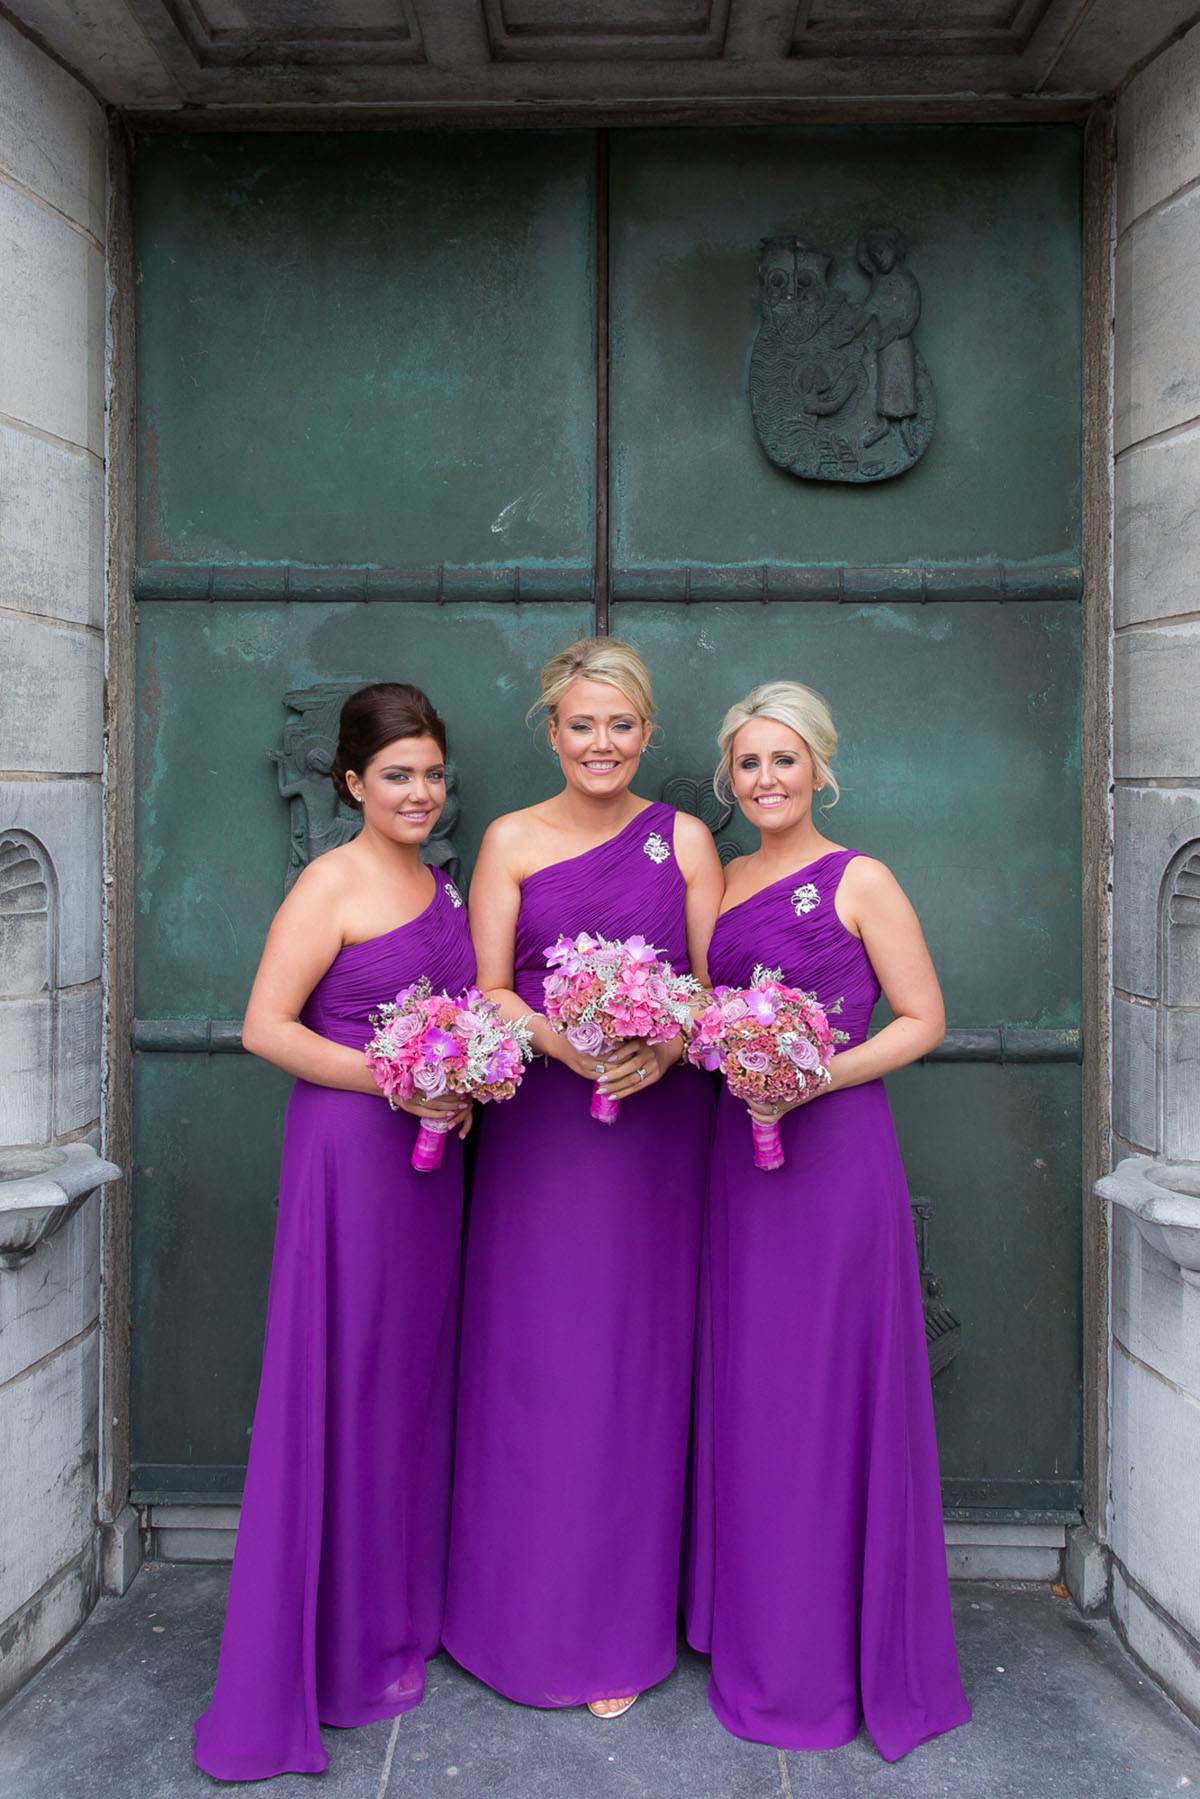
point(995, 582)
point(996, 1043)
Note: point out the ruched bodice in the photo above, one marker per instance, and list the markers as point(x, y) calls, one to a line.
point(630, 884)
point(793, 925)
point(363, 975)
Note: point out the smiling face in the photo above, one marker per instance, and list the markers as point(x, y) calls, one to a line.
point(598, 735)
point(402, 789)
point(773, 775)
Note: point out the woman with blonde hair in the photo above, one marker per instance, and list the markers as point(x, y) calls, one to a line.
point(583, 1240)
point(817, 1571)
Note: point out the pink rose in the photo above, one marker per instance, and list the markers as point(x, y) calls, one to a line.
point(587, 1037)
point(403, 1029)
point(804, 1054)
point(430, 1083)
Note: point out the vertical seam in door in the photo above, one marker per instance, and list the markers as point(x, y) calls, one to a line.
point(600, 584)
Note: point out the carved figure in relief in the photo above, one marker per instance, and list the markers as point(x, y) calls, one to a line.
point(894, 301)
point(319, 820)
point(838, 389)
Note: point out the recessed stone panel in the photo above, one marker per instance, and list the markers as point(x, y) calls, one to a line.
point(973, 28)
point(52, 541)
point(580, 30)
point(1156, 530)
point(1134, 1077)
point(53, 136)
point(52, 304)
point(1181, 1088)
point(1150, 826)
point(25, 1071)
point(52, 721)
point(48, 1430)
point(1157, 353)
point(77, 1050)
point(1156, 701)
point(67, 818)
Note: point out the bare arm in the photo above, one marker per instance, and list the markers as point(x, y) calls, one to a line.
point(872, 903)
point(305, 936)
point(696, 854)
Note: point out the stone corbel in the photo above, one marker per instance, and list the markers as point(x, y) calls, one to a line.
point(1163, 1199)
point(39, 1190)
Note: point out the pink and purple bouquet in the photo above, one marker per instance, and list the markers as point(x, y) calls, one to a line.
point(772, 1043)
point(601, 993)
point(427, 1044)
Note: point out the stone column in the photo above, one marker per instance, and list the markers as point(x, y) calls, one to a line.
point(53, 138)
point(1154, 1472)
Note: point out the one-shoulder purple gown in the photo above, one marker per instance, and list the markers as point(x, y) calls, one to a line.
point(338, 1578)
point(817, 1565)
point(578, 1320)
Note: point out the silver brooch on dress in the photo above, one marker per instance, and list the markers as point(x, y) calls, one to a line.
point(805, 898)
point(453, 895)
point(655, 848)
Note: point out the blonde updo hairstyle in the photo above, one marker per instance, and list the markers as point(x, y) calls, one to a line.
point(594, 659)
point(789, 703)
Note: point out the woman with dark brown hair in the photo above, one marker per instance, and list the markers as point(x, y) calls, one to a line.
point(338, 1580)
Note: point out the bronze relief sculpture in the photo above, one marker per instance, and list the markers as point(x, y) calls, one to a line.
point(838, 389)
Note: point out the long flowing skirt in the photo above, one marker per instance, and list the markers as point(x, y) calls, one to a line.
point(578, 1315)
point(817, 1566)
point(338, 1581)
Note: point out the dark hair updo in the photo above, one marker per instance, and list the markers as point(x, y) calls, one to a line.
point(374, 717)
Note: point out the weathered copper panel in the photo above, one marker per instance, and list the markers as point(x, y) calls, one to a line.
point(373, 348)
point(991, 218)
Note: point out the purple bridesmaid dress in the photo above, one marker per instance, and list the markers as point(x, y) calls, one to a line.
point(338, 1578)
point(578, 1318)
point(817, 1566)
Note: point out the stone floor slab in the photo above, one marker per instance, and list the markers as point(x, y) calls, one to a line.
point(1061, 1712)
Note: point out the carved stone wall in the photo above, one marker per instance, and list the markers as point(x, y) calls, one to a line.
point(1154, 1460)
point(53, 141)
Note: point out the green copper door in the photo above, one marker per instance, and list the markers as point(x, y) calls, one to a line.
point(372, 445)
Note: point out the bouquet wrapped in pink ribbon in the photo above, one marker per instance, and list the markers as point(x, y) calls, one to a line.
point(772, 1043)
point(600, 993)
point(427, 1044)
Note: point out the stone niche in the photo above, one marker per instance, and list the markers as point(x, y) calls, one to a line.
point(42, 1181)
point(1179, 1007)
point(1154, 1465)
point(28, 988)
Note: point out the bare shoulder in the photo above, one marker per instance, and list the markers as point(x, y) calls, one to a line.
point(508, 840)
point(739, 876)
point(510, 828)
point(866, 874)
point(869, 886)
point(693, 839)
point(326, 879)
